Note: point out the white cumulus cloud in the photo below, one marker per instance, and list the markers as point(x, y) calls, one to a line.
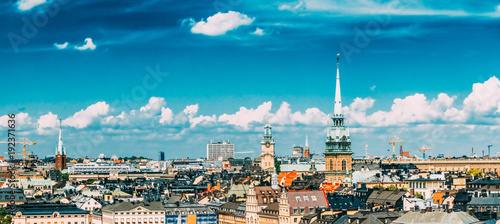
point(246, 116)
point(89, 45)
point(258, 32)
point(47, 121)
point(61, 46)
point(83, 118)
point(220, 23)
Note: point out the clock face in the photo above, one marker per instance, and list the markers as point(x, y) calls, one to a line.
point(268, 144)
point(344, 138)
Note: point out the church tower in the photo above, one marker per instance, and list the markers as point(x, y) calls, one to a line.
point(338, 153)
point(307, 152)
point(60, 151)
point(267, 155)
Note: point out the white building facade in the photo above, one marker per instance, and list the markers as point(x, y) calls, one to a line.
point(217, 150)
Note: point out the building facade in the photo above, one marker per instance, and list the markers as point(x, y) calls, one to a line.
point(216, 150)
point(259, 198)
point(338, 153)
point(50, 213)
point(128, 212)
point(294, 205)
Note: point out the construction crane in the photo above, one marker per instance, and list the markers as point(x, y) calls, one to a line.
point(424, 149)
point(24, 154)
point(246, 152)
point(393, 143)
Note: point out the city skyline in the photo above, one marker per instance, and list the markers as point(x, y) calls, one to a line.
point(421, 72)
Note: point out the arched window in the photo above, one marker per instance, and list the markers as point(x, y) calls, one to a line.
point(344, 165)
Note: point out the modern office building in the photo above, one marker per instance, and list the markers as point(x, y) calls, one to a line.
point(217, 150)
point(161, 156)
point(99, 168)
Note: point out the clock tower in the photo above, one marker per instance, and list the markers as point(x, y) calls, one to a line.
point(267, 155)
point(338, 153)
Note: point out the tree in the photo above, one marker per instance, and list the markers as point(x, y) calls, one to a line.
point(392, 188)
point(419, 195)
point(277, 166)
point(65, 177)
point(4, 217)
point(474, 172)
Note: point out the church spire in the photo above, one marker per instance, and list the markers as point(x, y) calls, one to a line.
point(338, 102)
point(307, 141)
point(60, 145)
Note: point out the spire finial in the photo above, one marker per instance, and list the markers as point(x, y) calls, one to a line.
point(267, 118)
point(338, 54)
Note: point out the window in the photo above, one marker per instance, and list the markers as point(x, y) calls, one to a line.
point(344, 165)
point(295, 211)
point(297, 198)
point(302, 210)
point(306, 199)
point(314, 197)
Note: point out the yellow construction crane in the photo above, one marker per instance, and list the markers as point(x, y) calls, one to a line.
point(24, 143)
point(424, 149)
point(393, 143)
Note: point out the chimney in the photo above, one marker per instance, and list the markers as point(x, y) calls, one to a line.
point(208, 186)
point(218, 186)
point(470, 212)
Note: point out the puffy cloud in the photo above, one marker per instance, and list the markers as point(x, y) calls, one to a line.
point(258, 32)
point(246, 116)
point(47, 121)
point(220, 23)
point(412, 109)
point(24, 5)
point(154, 104)
point(166, 116)
point(85, 117)
point(61, 46)
point(484, 98)
point(21, 120)
point(285, 116)
point(89, 45)
point(191, 110)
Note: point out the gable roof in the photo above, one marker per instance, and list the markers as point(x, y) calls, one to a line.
point(128, 206)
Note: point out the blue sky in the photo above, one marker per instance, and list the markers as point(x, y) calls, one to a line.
point(216, 69)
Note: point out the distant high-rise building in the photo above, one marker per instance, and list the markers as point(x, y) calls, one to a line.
point(307, 153)
point(216, 150)
point(60, 151)
point(161, 156)
point(298, 151)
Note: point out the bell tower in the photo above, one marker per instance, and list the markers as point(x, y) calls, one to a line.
point(338, 153)
point(267, 155)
